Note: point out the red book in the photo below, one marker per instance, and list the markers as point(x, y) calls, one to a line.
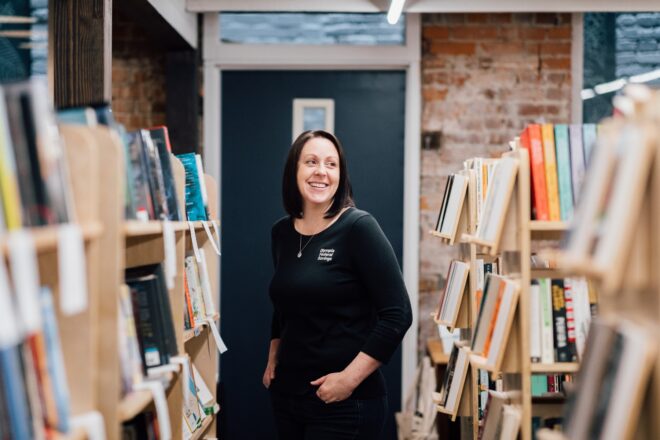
point(532, 141)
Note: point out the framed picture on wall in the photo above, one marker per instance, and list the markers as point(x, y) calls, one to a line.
point(313, 114)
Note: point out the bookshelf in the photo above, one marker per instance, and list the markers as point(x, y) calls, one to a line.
point(628, 281)
point(89, 339)
point(511, 246)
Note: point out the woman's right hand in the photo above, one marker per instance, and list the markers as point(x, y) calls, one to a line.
point(269, 374)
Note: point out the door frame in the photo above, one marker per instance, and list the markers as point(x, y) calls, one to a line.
point(220, 56)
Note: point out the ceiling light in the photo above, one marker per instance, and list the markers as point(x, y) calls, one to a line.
point(396, 7)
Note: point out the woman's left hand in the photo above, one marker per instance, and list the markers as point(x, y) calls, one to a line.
point(334, 387)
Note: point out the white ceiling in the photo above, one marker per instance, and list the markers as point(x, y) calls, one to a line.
point(426, 5)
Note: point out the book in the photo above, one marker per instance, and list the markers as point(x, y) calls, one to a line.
point(535, 321)
point(511, 419)
point(10, 197)
point(161, 140)
point(443, 205)
point(202, 183)
point(192, 416)
point(589, 138)
point(132, 368)
point(457, 381)
point(458, 275)
point(578, 163)
point(453, 208)
point(571, 334)
point(486, 313)
point(581, 403)
point(11, 374)
point(547, 331)
point(154, 176)
point(503, 322)
point(195, 289)
point(195, 209)
point(562, 349)
point(532, 141)
point(497, 200)
point(493, 414)
point(564, 172)
point(142, 203)
point(550, 161)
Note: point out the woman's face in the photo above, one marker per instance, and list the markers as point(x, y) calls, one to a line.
point(318, 172)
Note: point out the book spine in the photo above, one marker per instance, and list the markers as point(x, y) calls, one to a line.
point(550, 160)
point(8, 181)
point(547, 334)
point(577, 160)
point(535, 322)
point(537, 168)
point(570, 319)
point(562, 352)
point(589, 139)
point(564, 172)
point(14, 386)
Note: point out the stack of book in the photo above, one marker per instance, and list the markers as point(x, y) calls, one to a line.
point(560, 314)
point(34, 395)
point(558, 156)
point(34, 181)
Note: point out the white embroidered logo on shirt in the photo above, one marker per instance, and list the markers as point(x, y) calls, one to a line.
point(326, 254)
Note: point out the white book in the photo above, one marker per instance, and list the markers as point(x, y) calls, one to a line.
point(502, 323)
point(455, 292)
point(637, 358)
point(623, 207)
point(582, 313)
point(592, 197)
point(511, 418)
point(479, 265)
point(209, 303)
point(497, 199)
point(535, 322)
point(479, 186)
point(454, 205)
point(545, 310)
point(458, 381)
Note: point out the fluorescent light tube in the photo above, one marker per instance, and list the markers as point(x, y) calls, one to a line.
point(396, 7)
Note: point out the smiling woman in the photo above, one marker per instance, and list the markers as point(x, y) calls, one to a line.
point(340, 305)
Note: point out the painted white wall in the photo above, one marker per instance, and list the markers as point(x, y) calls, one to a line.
point(219, 57)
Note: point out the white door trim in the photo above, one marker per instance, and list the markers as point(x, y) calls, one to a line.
point(219, 56)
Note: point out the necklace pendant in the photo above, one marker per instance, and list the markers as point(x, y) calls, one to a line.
point(299, 254)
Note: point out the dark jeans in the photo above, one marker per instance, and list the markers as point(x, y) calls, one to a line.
point(309, 418)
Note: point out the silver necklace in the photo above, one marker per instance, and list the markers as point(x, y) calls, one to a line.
point(301, 248)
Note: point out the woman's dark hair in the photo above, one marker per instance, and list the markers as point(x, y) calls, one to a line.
point(290, 192)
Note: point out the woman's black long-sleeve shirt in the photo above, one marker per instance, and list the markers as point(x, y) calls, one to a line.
point(345, 294)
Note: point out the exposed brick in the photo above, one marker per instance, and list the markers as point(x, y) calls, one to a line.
point(453, 48)
point(434, 94)
point(556, 48)
point(502, 48)
point(548, 19)
point(436, 32)
point(530, 110)
point(532, 33)
point(478, 18)
point(559, 32)
point(474, 32)
point(557, 63)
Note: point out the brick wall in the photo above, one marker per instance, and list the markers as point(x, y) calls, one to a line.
point(485, 76)
point(138, 76)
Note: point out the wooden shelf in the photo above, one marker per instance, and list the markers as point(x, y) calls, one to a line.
point(46, 238)
point(554, 398)
point(137, 228)
point(438, 356)
point(559, 367)
point(75, 434)
point(133, 404)
point(198, 330)
point(202, 430)
point(548, 226)
point(549, 434)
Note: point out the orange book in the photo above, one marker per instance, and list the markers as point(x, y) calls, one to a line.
point(37, 349)
point(188, 302)
point(531, 140)
point(493, 321)
point(548, 136)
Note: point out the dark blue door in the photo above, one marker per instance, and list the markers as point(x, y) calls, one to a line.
point(256, 134)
